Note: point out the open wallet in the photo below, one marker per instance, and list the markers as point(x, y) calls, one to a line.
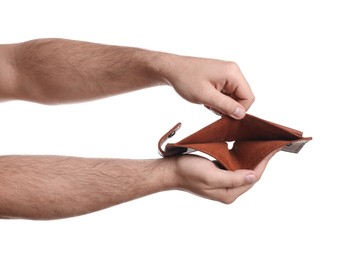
point(252, 138)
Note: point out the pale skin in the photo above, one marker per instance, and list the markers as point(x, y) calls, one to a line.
point(53, 71)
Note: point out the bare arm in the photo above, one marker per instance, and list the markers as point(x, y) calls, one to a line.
point(51, 187)
point(58, 70)
point(48, 187)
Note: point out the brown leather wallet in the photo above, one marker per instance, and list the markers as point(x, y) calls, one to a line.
point(253, 139)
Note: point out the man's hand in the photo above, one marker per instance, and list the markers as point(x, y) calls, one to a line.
point(219, 85)
point(55, 71)
point(51, 187)
point(200, 176)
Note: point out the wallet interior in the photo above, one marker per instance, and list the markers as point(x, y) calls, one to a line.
point(236, 144)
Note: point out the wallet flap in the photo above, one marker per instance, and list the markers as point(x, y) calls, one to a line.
point(248, 128)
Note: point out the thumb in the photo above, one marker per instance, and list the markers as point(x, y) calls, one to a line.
point(236, 179)
point(225, 105)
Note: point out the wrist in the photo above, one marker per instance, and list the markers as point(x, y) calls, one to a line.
point(163, 65)
point(166, 169)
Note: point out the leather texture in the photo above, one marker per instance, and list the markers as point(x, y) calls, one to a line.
point(252, 138)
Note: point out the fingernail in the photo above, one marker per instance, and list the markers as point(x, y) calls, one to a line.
point(250, 178)
point(238, 113)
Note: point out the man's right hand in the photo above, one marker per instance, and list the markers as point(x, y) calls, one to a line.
point(219, 85)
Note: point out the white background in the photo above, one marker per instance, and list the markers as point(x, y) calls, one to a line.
point(301, 59)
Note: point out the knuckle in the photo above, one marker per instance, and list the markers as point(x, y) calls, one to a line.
point(228, 196)
point(252, 98)
point(232, 67)
point(227, 200)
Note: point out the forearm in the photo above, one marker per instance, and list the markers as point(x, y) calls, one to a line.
point(59, 70)
point(50, 187)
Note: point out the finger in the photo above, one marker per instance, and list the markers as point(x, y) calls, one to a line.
point(244, 96)
point(228, 179)
point(230, 194)
point(215, 111)
point(225, 105)
point(240, 178)
point(240, 90)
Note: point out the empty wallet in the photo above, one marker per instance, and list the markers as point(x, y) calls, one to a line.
point(252, 139)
